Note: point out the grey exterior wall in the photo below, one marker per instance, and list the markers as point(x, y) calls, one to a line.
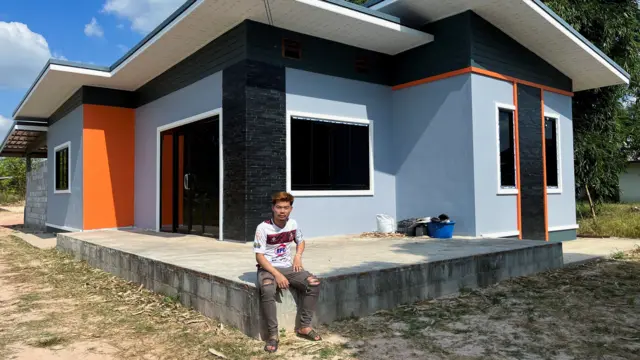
point(35, 209)
point(322, 94)
point(494, 213)
point(630, 184)
point(562, 207)
point(197, 98)
point(66, 209)
point(433, 151)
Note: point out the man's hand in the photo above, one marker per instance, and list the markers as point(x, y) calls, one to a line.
point(297, 263)
point(282, 281)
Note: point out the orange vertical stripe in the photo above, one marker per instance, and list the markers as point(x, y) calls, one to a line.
point(108, 145)
point(167, 179)
point(544, 169)
point(517, 136)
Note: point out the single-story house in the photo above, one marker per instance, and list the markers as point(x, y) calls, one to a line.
point(629, 182)
point(409, 108)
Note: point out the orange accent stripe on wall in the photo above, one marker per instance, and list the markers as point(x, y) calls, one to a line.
point(517, 142)
point(544, 169)
point(479, 71)
point(108, 167)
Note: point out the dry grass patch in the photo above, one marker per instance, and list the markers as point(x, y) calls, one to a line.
point(55, 303)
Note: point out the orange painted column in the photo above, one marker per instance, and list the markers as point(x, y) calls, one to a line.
point(108, 141)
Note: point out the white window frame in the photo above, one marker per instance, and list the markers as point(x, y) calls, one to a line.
point(65, 145)
point(558, 189)
point(500, 189)
point(318, 193)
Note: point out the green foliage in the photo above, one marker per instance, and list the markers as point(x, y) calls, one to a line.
point(605, 130)
point(16, 168)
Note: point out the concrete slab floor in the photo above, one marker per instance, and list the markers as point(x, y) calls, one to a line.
point(40, 240)
point(323, 257)
point(585, 249)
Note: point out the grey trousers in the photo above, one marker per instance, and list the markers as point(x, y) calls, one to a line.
point(297, 281)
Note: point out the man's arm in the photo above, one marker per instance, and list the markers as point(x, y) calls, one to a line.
point(297, 259)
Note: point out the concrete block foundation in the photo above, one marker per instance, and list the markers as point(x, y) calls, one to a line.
point(218, 279)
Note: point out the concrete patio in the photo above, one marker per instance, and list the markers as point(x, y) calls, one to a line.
point(359, 276)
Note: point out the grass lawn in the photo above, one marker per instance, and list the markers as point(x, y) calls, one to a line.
point(613, 220)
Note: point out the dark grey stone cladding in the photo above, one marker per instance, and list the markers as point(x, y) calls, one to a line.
point(254, 103)
point(219, 54)
point(318, 55)
point(532, 200)
point(493, 50)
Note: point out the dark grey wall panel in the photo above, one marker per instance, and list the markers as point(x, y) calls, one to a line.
point(109, 97)
point(234, 135)
point(450, 51)
point(532, 200)
point(219, 54)
point(494, 50)
point(318, 55)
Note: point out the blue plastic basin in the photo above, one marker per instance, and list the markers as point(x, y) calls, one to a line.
point(441, 230)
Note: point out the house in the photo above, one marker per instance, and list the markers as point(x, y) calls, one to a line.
point(409, 108)
point(629, 182)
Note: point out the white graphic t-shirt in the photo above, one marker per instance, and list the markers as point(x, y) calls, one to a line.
point(274, 242)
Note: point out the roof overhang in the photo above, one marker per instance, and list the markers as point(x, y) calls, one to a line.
point(198, 22)
point(532, 24)
point(26, 138)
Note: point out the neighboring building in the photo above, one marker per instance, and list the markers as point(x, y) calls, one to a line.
point(410, 108)
point(630, 183)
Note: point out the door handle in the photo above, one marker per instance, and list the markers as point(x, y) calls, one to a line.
point(185, 181)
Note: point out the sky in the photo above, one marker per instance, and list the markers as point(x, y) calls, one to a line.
point(95, 32)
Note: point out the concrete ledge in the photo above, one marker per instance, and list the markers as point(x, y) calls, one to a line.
point(358, 293)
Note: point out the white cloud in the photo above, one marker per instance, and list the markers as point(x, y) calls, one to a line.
point(24, 54)
point(93, 29)
point(123, 48)
point(144, 15)
point(4, 119)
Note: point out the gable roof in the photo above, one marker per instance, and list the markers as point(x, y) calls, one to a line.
point(383, 26)
point(197, 22)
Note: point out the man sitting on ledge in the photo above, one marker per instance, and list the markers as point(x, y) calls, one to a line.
point(275, 268)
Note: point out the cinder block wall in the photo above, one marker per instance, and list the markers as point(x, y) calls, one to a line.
point(35, 210)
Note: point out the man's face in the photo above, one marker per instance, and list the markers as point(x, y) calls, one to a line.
point(281, 210)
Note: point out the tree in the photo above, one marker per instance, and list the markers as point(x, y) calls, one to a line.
point(605, 120)
point(16, 168)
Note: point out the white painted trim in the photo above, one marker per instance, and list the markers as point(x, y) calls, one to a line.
point(79, 70)
point(501, 234)
point(176, 124)
point(62, 146)
point(32, 91)
point(556, 190)
point(564, 227)
point(158, 35)
point(321, 193)
point(500, 189)
point(366, 17)
point(31, 128)
point(575, 39)
point(66, 228)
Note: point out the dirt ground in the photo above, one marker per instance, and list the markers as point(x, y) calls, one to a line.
point(52, 307)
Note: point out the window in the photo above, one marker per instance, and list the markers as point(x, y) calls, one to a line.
point(291, 49)
point(61, 170)
point(330, 155)
point(552, 152)
point(506, 149)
